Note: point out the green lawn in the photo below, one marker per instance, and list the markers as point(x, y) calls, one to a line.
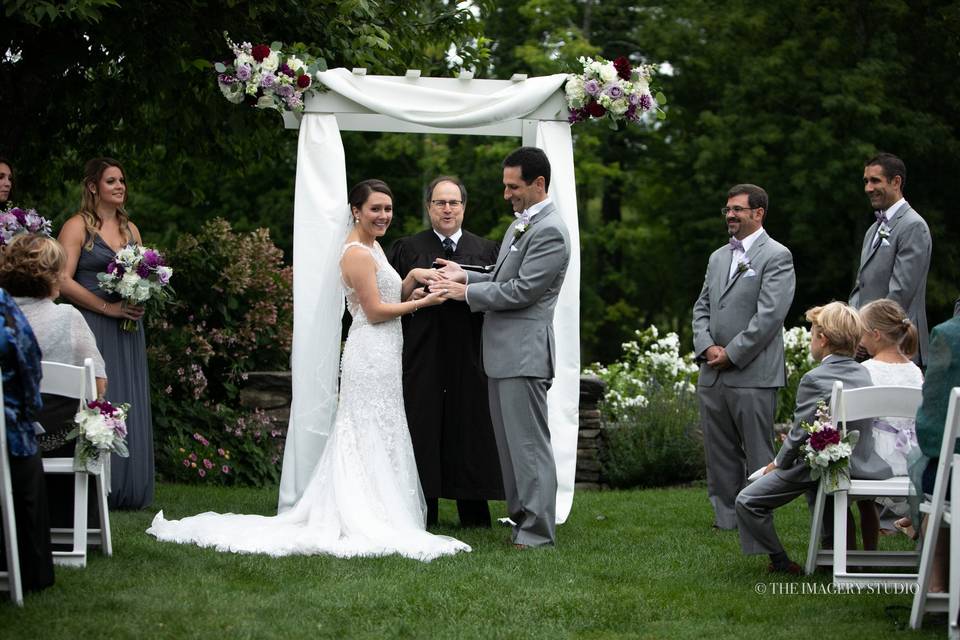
point(620, 570)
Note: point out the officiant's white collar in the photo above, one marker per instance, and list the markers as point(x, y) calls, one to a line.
point(537, 208)
point(454, 236)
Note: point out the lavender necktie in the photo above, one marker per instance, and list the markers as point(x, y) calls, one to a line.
point(736, 245)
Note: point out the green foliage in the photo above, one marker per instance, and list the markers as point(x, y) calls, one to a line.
point(796, 348)
point(233, 314)
point(656, 444)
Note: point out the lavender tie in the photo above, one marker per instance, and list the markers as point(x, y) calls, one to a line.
point(736, 245)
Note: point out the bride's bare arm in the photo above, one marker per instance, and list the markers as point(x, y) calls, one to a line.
point(414, 279)
point(360, 274)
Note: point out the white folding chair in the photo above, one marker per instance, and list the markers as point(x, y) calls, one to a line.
point(861, 404)
point(9, 579)
point(77, 382)
point(940, 514)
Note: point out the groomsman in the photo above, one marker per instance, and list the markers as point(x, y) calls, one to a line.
point(895, 256)
point(518, 299)
point(444, 387)
point(738, 339)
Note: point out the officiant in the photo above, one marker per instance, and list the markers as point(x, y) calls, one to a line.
point(452, 437)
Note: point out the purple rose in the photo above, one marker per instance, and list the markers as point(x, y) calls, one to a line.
point(285, 90)
point(226, 79)
point(592, 87)
point(268, 81)
point(151, 258)
point(143, 270)
point(615, 91)
point(244, 72)
point(634, 99)
point(19, 214)
point(112, 266)
point(287, 71)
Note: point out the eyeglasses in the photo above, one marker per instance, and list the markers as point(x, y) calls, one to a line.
point(440, 204)
point(737, 209)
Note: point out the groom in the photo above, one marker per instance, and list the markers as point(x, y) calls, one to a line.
point(518, 299)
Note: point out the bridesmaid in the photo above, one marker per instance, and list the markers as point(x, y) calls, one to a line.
point(91, 238)
point(6, 182)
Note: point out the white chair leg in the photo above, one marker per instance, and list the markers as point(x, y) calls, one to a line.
point(77, 557)
point(953, 610)
point(816, 527)
point(12, 574)
point(839, 534)
point(106, 541)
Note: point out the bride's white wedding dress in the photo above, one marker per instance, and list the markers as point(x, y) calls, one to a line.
point(364, 497)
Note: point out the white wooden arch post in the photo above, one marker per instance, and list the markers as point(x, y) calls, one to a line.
point(532, 109)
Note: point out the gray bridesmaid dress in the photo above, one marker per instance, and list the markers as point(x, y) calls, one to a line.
point(128, 380)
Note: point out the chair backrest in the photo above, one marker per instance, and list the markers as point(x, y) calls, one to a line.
point(847, 405)
point(69, 380)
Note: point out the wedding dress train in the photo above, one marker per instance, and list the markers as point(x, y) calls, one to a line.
point(364, 497)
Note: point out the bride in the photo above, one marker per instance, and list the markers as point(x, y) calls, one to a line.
point(364, 496)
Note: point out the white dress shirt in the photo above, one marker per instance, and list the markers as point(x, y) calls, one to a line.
point(738, 255)
point(885, 220)
point(453, 236)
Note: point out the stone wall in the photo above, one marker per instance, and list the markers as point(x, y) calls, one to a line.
point(270, 391)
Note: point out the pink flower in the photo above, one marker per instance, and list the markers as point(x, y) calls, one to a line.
point(201, 472)
point(207, 464)
point(193, 457)
point(220, 452)
point(225, 469)
point(186, 462)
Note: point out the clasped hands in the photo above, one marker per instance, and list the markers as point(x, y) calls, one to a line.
point(446, 283)
point(717, 358)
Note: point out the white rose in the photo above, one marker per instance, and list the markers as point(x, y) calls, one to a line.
point(295, 63)
point(608, 73)
point(641, 86)
point(271, 62)
point(243, 58)
point(96, 431)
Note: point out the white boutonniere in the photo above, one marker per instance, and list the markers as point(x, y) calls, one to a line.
point(744, 267)
point(523, 223)
point(883, 233)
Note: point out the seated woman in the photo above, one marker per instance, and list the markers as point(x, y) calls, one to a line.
point(30, 271)
point(20, 364)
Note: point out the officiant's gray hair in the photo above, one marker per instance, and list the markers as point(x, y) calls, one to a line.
point(756, 196)
point(433, 185)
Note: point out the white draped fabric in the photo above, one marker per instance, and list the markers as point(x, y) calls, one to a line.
point(320, 219)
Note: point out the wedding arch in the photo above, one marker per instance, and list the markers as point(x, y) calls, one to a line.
point(533, 109)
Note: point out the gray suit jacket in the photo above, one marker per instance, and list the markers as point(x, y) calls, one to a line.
point(897, 269)
point(816, 385)
point(519, 298)
point(745, 314)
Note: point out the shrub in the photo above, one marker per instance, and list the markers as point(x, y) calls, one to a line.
point(796, 344)
point(657, 444)
point(233, 314)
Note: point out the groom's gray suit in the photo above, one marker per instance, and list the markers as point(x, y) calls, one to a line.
point(519, 298)
point(896, 268)
point(756, 502)
point(744, 314)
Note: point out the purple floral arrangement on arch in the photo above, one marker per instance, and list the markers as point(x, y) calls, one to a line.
point(615, 91)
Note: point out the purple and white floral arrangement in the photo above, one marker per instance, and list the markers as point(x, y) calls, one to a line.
point(100, 429)
point(16, 221)
point(616, 91)
point(266, 77)
point(138, 275)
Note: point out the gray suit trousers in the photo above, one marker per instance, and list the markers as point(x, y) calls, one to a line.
point(518, 409)
point(756, 503)
point(737, 440)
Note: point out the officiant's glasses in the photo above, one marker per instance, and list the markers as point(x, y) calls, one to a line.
point(737, 209)
point(440, 204)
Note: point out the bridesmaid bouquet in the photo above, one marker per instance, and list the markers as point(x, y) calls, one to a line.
point(138, 275)
point(827, 451)
point(16, 221)
point(101, 428)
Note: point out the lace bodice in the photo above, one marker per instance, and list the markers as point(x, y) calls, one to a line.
point(389, 283)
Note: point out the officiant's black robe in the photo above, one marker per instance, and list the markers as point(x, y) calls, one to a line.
point(444, 387)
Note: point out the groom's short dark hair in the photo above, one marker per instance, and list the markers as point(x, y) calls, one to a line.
point(533, 163)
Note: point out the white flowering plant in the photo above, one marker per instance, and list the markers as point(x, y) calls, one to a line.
point(614, 91)
point(649, 363)
point(268, 76)
point(138, 275)
point(827, 452)
point(798, 360)
point(101, 429)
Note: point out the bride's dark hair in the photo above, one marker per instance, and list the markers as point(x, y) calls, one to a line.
point(362, 190)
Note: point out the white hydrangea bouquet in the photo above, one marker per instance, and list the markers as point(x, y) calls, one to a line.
point(101, 429)
point(827, 452)
point(616, 91)
point(266, 77)
point(16, 221)
point(138, 275)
